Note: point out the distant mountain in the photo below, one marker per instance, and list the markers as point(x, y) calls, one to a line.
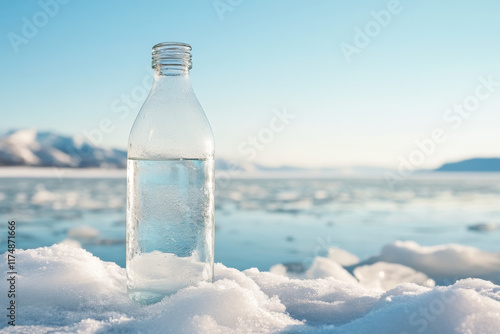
point(280, 168)
point(30, 147)
point(472, 165)
point(233, 165)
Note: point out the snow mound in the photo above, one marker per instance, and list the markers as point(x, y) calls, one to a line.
point(385, 276)
point(317, 302)
point(83, 232)
point(342, 257)
point(443, 263)
point(320, 268)
point(67, 290)
point(71, 243)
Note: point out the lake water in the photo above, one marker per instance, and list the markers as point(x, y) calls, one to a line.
point(261, 222)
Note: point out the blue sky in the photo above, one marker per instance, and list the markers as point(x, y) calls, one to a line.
point(414, 61)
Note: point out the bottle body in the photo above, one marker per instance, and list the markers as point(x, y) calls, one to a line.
point(170, 190)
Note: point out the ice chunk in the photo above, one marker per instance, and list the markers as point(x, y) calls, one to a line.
point(483, 227)
point(71, 243)
point(385, 276)
point(320, 268)
point(83, 233)
point(443, 263)
point(342, 257)
point(42, 195)
point(323, 267)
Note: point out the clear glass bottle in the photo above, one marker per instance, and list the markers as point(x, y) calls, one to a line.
point(170, 184)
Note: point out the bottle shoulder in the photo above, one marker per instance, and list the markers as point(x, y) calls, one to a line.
point(171, 127)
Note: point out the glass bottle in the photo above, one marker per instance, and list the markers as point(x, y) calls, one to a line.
point(170, 184)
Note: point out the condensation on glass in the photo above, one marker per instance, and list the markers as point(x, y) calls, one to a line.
point(170, 184)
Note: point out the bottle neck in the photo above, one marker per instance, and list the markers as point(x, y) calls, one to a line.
point(171, 59)
point(168, 71)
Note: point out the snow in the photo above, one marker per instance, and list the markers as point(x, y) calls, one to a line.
point(443, 263)
point(320, 268)
point(83, 232)
point(29, 147)
point(149, 270)
point(24, 136)
point(386, 276)
point(66, 289)
point(19, 147)
point(71, 243)
point(342, 257)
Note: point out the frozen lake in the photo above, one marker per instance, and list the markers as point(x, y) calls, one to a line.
point(262, 222)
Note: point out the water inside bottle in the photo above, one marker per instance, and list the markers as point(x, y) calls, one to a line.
point(169, 229)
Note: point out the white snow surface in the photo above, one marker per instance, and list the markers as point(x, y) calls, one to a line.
point(443, 263)
point(65, 289)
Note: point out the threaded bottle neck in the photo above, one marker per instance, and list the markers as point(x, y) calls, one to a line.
point(172, 58)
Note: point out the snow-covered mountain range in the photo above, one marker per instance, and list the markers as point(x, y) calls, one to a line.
point(29, 147)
